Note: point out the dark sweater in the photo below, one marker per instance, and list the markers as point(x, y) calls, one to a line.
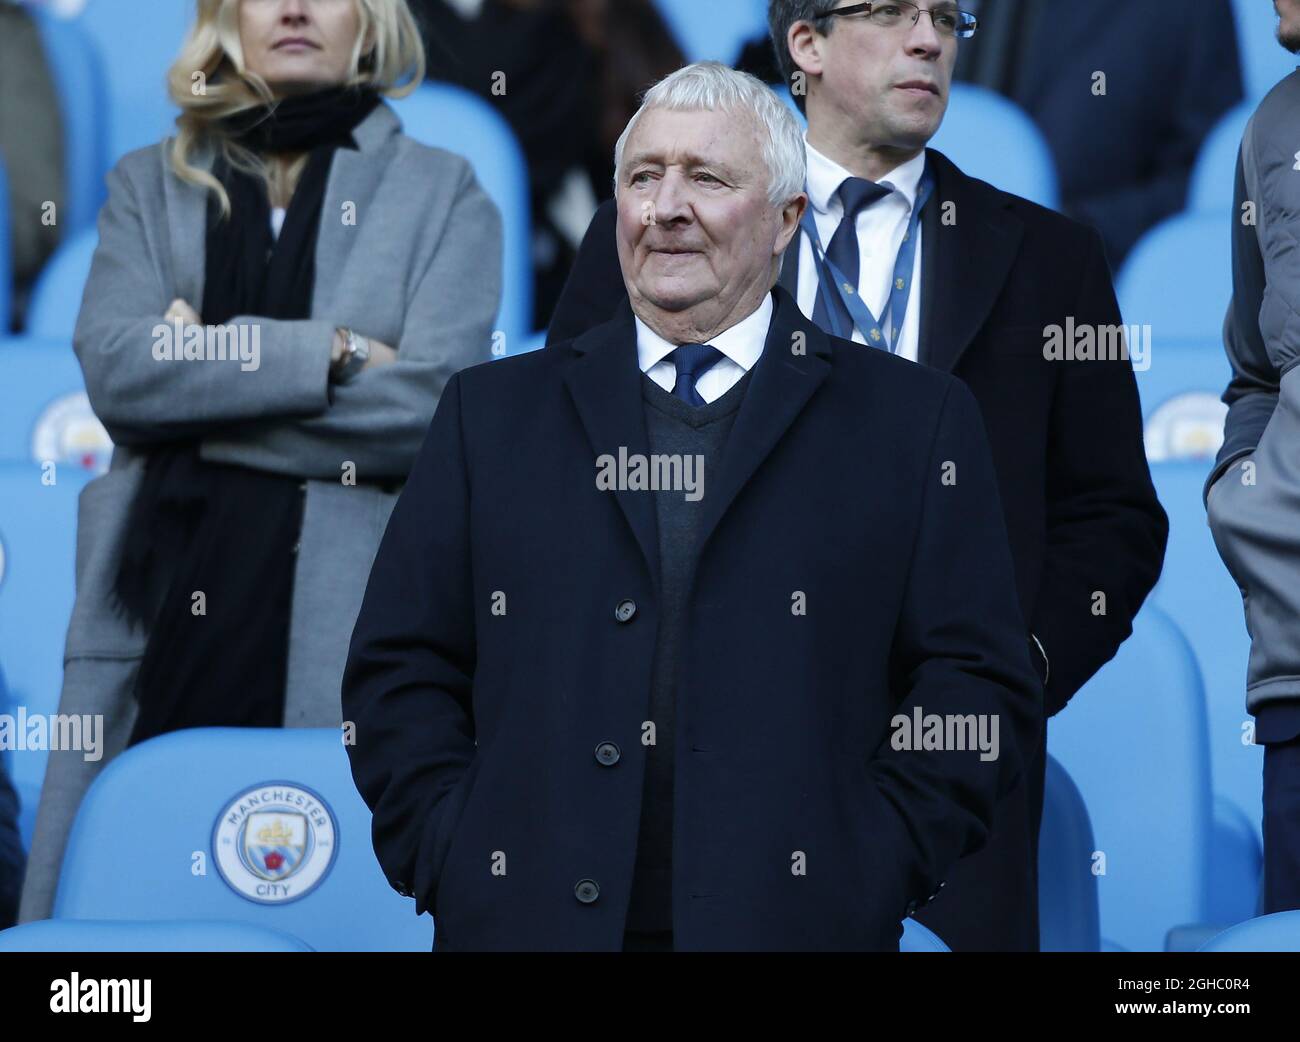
point(675, 429)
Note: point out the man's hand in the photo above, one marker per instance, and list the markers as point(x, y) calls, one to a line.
point(180, 309)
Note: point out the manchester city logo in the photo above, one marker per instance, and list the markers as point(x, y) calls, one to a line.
point(275, 842)
point(68, 431)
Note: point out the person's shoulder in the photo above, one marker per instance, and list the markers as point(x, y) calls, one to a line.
point(1037, 219)
point(889, 378)
point(429, 161)
point(525, 373)
point(145, 169)
point(1280, 107)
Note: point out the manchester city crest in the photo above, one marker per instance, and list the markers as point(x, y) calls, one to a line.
point(275, 842)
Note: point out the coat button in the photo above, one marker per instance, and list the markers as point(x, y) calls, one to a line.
point(586, 891)
point(625, 610)
point(911, 907)
point(607, 754)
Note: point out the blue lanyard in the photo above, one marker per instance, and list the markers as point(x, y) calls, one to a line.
point(830, 279)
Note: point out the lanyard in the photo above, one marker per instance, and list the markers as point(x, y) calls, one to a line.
point(831, 279)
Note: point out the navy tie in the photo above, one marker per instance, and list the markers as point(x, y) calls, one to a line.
point(692, 362)
point(856, 194)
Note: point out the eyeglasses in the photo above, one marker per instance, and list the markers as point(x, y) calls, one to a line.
point(947, 21)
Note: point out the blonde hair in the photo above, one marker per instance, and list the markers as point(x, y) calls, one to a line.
point(213, 57)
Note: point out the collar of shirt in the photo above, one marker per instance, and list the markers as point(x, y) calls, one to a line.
point(825, 177)
point(742, 343)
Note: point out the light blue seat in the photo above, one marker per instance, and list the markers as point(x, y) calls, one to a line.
point(1135, 742)
point(996, 141)
point(38, 547)
point(56, 297)
point(1236, 862)
point(1196, 591)
point(1263, 59)
point(136, 51)
point(1068, 916)
point(70, 935)
point(449, 117)
point(990, 138)
point(714, 29)
point(1181, 391)
point(919, 938)
point(152, 829)
point(1279, 932)
point(1178, 278)
point(78, 74)
point(44, 412)
point(1215, 171)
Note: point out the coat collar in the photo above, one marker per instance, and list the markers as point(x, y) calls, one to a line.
point(354, 179)
point(604, 381)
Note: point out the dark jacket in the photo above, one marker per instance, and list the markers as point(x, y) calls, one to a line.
point(1066, 436)
point(489, 672)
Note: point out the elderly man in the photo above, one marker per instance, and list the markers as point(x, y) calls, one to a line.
point(936, 267)
point(1252, 492)
point(699, 631)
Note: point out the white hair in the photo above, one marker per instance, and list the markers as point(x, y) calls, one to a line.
point(715, 87)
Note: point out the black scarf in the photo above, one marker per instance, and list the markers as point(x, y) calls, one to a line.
point(226, 532)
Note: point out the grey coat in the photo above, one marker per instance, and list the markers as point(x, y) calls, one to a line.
point(419, 268)
point(1253, 492)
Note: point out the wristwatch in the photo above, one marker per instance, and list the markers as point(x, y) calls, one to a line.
point(356, 353)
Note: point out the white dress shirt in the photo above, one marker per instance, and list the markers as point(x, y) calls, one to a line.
point(880, 234)
point(741, 346)
point(277, 220)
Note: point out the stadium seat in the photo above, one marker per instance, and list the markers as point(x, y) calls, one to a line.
point(1236, 861)
point(136, 51)
point(56, 297)
point(69, 935)
point(996, 141)
point(1196, 591)
point(919, 938)
point(1178, 278)
point(1068, 917)
point(1181, 391)
point(1279, 932)
point(78, 75)
point(715, 30)
point(1215, 171)
point(1134, 740)
point(224, 846)
point(1263, 60)
point(44, 411)
point(37, 552)
point(452, 118)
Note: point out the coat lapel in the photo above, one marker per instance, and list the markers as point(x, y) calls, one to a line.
point(354, 178)
point(604, 381)
point(964, 264)
point(784, 379)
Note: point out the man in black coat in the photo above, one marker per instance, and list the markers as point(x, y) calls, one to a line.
point(1010, 294)
point(698, 632)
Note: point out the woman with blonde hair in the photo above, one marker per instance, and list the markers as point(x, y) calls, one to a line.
point(278, 297)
